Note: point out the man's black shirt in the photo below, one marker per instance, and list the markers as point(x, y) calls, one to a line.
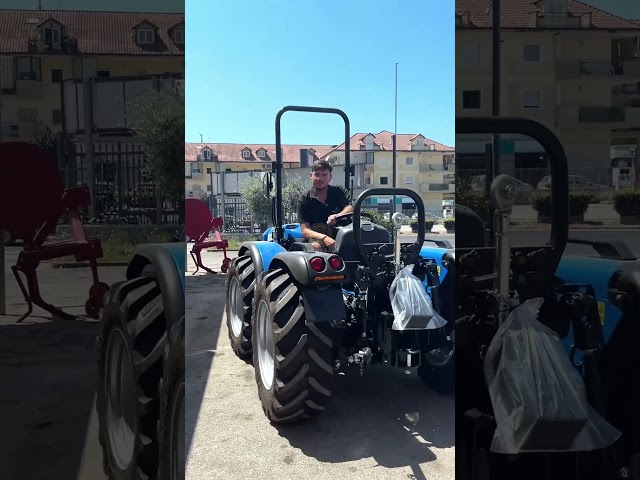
point(311, 210)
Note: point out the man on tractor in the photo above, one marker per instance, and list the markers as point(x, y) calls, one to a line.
point(319, 206)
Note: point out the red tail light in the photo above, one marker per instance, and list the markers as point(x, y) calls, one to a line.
point(336, 263)
point(318, 264)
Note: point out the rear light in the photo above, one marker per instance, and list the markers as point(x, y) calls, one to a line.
point(336, 263)
point(318, 264)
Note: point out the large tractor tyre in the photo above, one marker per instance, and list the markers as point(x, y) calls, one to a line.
point(437, 370)
point(240, 286)
point(293, 360)
point(171, 422)
point(130, 366)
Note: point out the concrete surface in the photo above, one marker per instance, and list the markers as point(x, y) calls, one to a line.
point(365, 433)
point(48, 370)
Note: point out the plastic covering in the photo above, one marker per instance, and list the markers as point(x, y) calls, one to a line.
point(412, 307)
point(539, 398)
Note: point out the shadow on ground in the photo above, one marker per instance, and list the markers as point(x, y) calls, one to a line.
point(48, 372)
point(371, 416)
point(202, 329)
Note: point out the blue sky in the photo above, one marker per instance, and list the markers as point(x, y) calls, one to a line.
point(246, 59)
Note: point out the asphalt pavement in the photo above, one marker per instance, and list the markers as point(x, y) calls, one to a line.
point(383, 425)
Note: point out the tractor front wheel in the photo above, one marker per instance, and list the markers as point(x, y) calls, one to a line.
point(240, 286)
point(293, 359)
point(130, 363)
point(172, 393)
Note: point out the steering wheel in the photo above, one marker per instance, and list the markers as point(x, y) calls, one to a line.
point(345, 217)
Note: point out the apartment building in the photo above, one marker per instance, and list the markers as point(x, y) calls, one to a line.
point(566, 64)
point(49, 56)
point(204, 162)
point(422, 165)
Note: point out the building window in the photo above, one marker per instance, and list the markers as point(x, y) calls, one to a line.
point(246, 154)
point(408, 181)
point(261, 153)
point(471, 99)
point(178, 36)
point(103, 73)
point(56, 117)
point(28, 68)
point(531, 53)
point(52, 37)
point(56, 75)
point(383, 161)
point(531, 99)
point(368, 157)
point(471, 54)
point(409, 161)
point(146, 36)
point(384, 180)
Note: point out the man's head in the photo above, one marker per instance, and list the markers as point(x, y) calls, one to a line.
point(321, 174)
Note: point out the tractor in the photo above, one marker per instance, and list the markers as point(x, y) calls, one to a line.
point(141, 348)
point(579, 317)
point(302, 316)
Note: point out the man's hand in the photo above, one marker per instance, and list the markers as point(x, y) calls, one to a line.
point(332, 219)
point(328, 241)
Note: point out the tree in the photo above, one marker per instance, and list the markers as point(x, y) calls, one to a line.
point(291, 193)
point(258, 203)
point(158, 122)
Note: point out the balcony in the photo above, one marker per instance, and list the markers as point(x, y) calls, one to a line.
point(435, 167)
point(605, 116)
point(437, 187)
point(114, 100)
point(571, 68)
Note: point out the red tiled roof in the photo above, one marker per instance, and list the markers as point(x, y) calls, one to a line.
point(97, 33)
point(521, 14)
point(232, 152)
point(384, 139)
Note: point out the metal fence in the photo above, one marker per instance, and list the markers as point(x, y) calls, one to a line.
point(123, 191)
point(238, 218)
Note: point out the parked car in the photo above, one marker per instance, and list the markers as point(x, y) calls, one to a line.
point(580, 184)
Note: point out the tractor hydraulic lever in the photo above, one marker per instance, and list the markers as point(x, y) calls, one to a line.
point(503, 192)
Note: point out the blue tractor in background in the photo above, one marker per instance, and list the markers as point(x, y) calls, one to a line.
point(591, 303)
point(302, 316)
point(141, 379)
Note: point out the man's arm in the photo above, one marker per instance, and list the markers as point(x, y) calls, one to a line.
point(344, 204)
point(304, 223)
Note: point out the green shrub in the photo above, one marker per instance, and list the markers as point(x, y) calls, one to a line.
point(578, 203)
point(378, 219)
point(627, 202)
point(450, 224)
point(428, 225)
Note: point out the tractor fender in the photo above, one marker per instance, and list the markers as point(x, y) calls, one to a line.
point(323, 300)
point(261, 253)
point(168, 263)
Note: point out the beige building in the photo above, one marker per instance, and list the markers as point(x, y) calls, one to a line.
point(568, 65)
point(422, 165)
point(48, 56)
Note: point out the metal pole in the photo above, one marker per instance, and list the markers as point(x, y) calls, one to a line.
point(3, 286)
point(87, 87)
point(494, 160)
point(495, 96)
point(395, 133)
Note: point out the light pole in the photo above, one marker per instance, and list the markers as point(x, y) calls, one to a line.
point(395, 133)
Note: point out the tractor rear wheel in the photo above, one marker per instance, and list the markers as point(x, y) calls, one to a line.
point(293, 360)
point(240, 286)
point(130, 363)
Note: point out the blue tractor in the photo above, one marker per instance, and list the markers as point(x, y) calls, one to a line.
point(302, 316)
point(141, 389)
point(591, 305)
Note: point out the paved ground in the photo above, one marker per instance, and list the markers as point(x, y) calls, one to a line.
point(47, 367)
point(596, 212)
point(364, 434)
